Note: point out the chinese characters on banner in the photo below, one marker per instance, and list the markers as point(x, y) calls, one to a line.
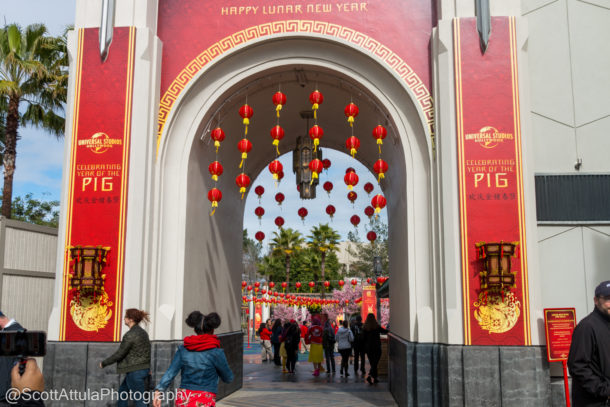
point(490, 181)
point(97, 200)
point(369, 301)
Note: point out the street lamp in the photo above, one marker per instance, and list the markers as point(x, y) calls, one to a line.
point(378, 270)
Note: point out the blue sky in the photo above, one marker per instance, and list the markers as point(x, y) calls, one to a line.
point(40, 155)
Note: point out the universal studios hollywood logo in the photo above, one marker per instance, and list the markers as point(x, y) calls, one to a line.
point(100, 143)
point(489, 137)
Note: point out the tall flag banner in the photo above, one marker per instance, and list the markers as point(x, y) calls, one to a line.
point(92, 286)
point(492, 220)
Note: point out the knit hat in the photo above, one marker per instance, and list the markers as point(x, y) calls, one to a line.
point(603, 289)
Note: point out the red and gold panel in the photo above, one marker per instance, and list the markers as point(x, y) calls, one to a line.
point(97, 201)
point(494, 262)
point(195, 32)
point(369, 301)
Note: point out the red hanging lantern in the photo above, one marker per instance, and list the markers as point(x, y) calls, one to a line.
point(316, 133)
point(279, 222)
point(214, 196)
point(215, 170)
point(311, 286)
point(341, 283)
point(279, 197)
point(302, 213)
point(330, 210)
point(379, 133)
point(355, 220)
point(246, 113)
point(371, 236)
point(244, 146)
point(316, 98)
point(368, 280)
point(351, 111)
point(217, 135)
point(242, 182)
point(243, 285)
point(280, 175)
point(259, 211)
point(279, 100)
point(326, 163)
point(352, 144)
point(263, 291)
point(257, 284)
point(249, 288)
point(297, 285)
point(284, 285)
point(277, 133)
point(368, 188)
point(328, 186)
point(271, 284)
point(259, 190)
point(350, 179)
point(275, 167)
point(352, 196)
point(260, 236)
point(380, 167)
point(354, 282)
point(378, 202)
point(380, 280)
point(369, 211)
point(316, 167)
point(327, 284)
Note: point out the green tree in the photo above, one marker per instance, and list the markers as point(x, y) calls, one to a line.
point(252, 256)
point(323, 239)
point(363, 253)
point(33, 70)
point(286, 243)
point(28, 209)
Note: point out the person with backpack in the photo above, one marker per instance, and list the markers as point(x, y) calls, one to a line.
point(328, 343)
point(344, 344)
point(291, 344)
point(358, 345)
point(276, 332)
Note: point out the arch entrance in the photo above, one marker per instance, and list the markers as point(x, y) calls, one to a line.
point(198, 256)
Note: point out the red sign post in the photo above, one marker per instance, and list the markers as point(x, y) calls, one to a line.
point(559, 324)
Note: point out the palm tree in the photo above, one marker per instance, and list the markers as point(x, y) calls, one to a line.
point(286, 243)
point(33, 70)
point(324, 239)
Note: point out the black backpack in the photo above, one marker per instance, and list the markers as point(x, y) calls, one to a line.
point(357, 331)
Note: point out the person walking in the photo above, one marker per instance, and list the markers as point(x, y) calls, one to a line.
point(314, 339)
point(291, 344)
point(372, 345)
point(589, 357)
point(200, 361)
point(304, 329)
point(264, 333)
point(276, 332)
point(328, 343)
point(358, 345)
point(132, 359)
point(345, 338)
point(283, 352)
point(7, 362)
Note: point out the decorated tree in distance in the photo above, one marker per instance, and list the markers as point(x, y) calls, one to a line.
point(385, 313)
point(286, 243)
point(324, 240)
point(252, 256)
point(333, 310)
point(351, 294)
point(286, 313)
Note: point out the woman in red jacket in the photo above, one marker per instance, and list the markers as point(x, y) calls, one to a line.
point(264, 331)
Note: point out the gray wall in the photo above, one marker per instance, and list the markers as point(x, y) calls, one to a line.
point(27, 272)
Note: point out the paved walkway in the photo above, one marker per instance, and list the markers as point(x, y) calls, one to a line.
point(265, 385)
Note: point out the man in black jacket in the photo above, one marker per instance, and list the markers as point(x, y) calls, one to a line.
point(589, 359)
point(7, 362)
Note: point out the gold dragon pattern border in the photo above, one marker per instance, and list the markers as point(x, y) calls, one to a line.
point(391, 59)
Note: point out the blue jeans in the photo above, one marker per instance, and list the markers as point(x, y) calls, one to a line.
point(136, 383)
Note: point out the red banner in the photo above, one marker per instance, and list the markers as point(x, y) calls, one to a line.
point(369, 301)
point(196, 32)
point(97, 200)
point(559, 323)
point(494, 263)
